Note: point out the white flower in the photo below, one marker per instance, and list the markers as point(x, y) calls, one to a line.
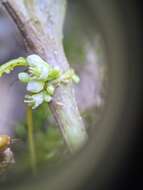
point(38, 67)
point(34, 100)
point(35, 86)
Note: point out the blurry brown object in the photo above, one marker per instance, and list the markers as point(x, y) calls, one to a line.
point(6, 159)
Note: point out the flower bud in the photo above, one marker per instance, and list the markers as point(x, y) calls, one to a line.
point(34, 100)
point(35, 86)
point(47, 97)
point(50, 89)
point(24, 77)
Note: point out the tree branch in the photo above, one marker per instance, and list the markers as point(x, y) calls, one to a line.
point(41, 25)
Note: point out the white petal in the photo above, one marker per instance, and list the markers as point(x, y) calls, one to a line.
point(35, 86)
point(38, 100)
point(40, 64)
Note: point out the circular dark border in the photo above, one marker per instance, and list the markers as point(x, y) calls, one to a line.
point(103, 159)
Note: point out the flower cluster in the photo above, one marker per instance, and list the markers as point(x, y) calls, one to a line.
point(42, 80)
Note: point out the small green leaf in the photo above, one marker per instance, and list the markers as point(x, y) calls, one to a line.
point(54, 74)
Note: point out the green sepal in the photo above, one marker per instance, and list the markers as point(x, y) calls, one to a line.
point(47, 97)
point(53, 74)
point(50, 89)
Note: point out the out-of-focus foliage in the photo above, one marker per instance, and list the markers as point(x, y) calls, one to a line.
point(74, 50)
point(49, 144)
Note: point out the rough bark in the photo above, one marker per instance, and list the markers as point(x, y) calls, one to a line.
point(41, 23)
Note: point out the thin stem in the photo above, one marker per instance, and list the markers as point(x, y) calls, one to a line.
point(31, 139)
point(10, 65)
